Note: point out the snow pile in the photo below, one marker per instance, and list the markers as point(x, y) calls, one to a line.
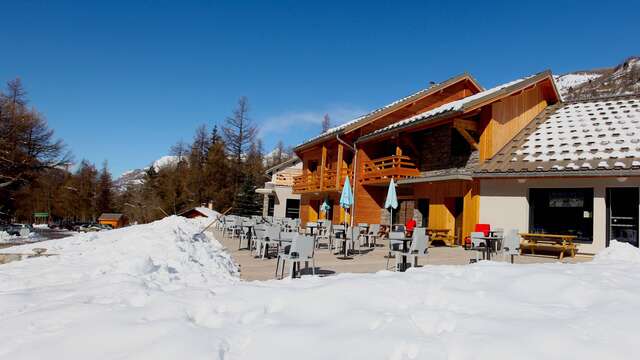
point(618, 251)
point(149, 292)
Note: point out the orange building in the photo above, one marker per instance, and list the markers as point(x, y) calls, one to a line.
point(430, 143)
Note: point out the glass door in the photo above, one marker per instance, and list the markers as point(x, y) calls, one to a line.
point(622, 215)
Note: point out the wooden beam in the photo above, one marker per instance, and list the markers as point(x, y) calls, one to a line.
point(323, 164)
point(466, 124)
point(467, 136)
point(339, 165)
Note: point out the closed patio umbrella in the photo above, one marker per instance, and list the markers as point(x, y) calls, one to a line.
point(346, 202)
point(392, 199)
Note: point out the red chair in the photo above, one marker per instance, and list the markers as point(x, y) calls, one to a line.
point(484, 228)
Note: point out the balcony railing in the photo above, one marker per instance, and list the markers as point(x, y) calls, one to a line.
point(306, 183)
point(382, 170)
point(330, 182)
point(311, 182)
point(285, 178)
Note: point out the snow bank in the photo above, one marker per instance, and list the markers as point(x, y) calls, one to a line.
point(618, 251)
point(158, 295)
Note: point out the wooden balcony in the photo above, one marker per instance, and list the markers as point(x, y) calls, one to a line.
point(311, 182)
point(306, 183)
point(330, 182)
point(382, 170)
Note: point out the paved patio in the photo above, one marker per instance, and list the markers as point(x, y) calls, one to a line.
point(371, 260)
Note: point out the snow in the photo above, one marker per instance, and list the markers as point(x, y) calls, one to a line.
point(598, 131)
point(572, 80)
point(151, 292)
point(165, 161)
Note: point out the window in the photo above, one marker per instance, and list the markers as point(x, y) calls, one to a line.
point(292, 209)
point(271, 205)
point(562, 211)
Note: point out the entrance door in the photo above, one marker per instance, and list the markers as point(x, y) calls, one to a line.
point(622, 215)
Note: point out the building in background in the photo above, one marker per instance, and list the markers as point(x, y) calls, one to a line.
point(279, 199)
point(115, 220)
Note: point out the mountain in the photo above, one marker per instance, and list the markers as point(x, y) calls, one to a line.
point(622, 79)
point(136, 176)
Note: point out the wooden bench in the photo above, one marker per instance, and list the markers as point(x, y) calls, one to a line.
point(441, 235)
point(548, 242)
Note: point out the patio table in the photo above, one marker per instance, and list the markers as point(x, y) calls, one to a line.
point(489, 242)
point(405, 250)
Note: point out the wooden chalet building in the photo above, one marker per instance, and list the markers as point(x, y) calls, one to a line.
point(431, 143)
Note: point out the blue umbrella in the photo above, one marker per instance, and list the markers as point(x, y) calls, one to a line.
point(346, 199)
point(392, 199)
point(325, 207)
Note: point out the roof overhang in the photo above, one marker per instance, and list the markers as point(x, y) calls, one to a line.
point(469, 106)
point(378, 113)
point(559, 173)
point(435, 178)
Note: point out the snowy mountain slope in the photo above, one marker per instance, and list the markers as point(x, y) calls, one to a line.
point(136, 176)
point(151, 292)
point(622, 79)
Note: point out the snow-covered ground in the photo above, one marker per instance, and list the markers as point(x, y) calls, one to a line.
point(152, 292)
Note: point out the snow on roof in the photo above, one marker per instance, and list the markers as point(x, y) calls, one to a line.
point(390, 105)
point(207, 212)
point(450, 107)
point(599, 134)
point(110, 216)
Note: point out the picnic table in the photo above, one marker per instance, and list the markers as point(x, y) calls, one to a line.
point(548, 242)
point(443, 235)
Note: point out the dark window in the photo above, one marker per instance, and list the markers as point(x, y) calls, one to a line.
point(292, 208)
point(312, 165)
point(562, 211)
point(272, 204)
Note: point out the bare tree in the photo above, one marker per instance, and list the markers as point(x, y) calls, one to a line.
point(239, 132)
point(326, 123)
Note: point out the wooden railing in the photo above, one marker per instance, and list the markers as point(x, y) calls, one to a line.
point(384, 169)
point(306, 183)
point(285, 178)
point(311, 182)
point(330, 181)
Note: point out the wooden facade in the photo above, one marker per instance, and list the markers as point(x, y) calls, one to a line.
point(432, 161)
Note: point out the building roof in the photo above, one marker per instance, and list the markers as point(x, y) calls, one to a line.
point(283, 165)
point(110, 216)
point(463, 105)
point(589, 137)
point(364, 119)
point(203, 210)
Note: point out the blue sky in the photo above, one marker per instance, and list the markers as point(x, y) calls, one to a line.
point(123, 81)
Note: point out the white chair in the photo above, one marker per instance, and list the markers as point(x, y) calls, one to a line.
point(249, 225)
point(302, 249)
point(395, 244)
point(478, 244)
point(334, 241)
point(353, 239)
point(511, 244)
point(324, 234)
point(363, 231)
point(258, 237)
point(419, 247)
point(372, 236)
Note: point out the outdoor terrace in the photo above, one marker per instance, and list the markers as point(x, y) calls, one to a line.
point(382, 170)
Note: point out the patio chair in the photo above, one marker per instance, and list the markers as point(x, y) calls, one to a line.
point(324, 235)
point(394, 244)
point(499, 233)
point(353, 239)
point(419, 247)
point(259, 233)
point(363, 230)
point(245, 235)
point(334, 242)
point(302, 249)
point(478, 244)
point(372, 235)
point(511, 244)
